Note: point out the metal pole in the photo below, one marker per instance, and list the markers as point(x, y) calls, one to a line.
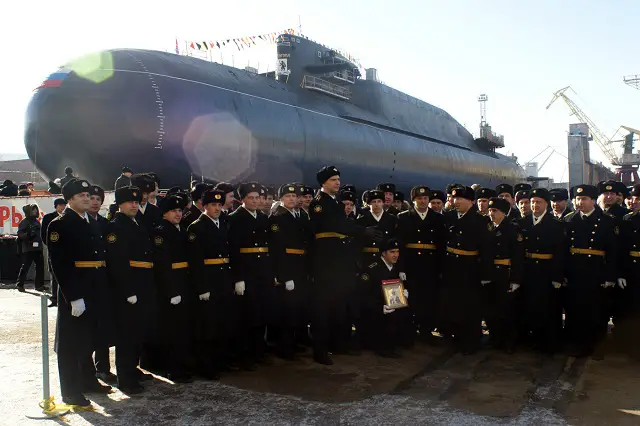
point(44, 314)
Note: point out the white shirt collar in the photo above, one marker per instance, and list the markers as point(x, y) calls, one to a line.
point(422, 215)
point(293, 212)
point(587, 214)
point(216, 221)
point(177, 225)
point(388, 265)
point(461, 215)
point(332, 196)
point(143, 207)
point(377, 218)
point(536, 220)
point(254, 214)
point(559, 214)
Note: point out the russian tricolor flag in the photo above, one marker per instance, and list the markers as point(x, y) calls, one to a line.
point(55, 79)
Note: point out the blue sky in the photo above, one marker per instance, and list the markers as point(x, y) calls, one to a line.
point(445, 53)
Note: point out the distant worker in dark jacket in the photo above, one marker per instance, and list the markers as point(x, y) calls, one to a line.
point(68, 176)
point(31, 245)
point(54, 188)
point(8, 189)
point(124, 179)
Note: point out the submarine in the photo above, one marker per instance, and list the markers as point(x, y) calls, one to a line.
point(186, 118)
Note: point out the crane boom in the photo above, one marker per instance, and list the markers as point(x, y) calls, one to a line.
point(596, 134)
point(633, 81)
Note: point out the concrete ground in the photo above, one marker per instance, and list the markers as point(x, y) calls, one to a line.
point(428, 386)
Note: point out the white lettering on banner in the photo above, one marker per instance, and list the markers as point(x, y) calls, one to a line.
point(11, 213)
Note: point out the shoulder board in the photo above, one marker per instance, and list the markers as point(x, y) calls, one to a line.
point(607, 214)
point(319, 196)
point(628, 216)
point(187, 214)
point(570, 215)
point(373, 265)
point(404, 213)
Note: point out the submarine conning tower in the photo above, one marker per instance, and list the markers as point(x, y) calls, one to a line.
point(315, 67)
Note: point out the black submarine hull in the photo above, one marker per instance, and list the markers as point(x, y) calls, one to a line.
point(183, 117)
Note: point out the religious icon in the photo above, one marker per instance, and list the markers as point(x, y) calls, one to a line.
point(393, 292)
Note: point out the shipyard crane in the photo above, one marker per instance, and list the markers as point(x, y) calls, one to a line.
point(627, 162)
point(632, 80)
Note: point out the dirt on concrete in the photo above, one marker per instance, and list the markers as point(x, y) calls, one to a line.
point(429, 385)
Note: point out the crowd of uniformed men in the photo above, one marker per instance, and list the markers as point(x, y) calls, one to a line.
point(193, 283)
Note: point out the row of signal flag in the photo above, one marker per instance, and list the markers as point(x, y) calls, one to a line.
point(240, 42)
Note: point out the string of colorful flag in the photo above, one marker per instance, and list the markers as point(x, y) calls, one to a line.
point(240, 42)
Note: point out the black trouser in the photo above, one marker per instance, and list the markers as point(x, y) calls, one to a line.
point(29, 257)
point(212, 356)
point(54, 282)
point(72, 371)
point(128, 354)
point(102, 364)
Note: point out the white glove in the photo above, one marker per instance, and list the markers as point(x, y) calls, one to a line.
point(556, 284)
point(176, 300)
point(484, 282)
point(386, 310)
point(133, 299)
point(240, 288)
point(403, 276)
point(513, 287)
point(205, 296)
point(77, 307)
point(406, 293)
point(622, 283)
point(608, 284)
point(289, 285)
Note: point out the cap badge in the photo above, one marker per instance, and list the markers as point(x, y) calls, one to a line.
point(85, 184)
point(134, 193)
point(609, 188)
point(421, 190)
point(291, 188)
point(579, 190)
point(454, 192)
point(490, 203)
point(217, 196)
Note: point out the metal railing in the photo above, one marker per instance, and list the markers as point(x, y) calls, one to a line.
point(314, 83)
point(344, 75)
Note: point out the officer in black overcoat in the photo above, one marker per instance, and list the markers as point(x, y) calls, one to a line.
point(389, 191)
point(505, 191)
point(149, 215)
point(482, 199)
point(211, 286)
point(508, 264)
point(331, 263)
point(59, 204)
point(545, 246)
point(381, 324)
point(78, 262)
point(171, 271)
point(591, 270)
point(560, 202)
point(468, 265)
point(251, 269)
point(379, 218)
point(421, 232)
point(288, 242)
point(99, 225)
point(609, 190)
point(627, 321)
point(196, 208)
point(130, 268)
